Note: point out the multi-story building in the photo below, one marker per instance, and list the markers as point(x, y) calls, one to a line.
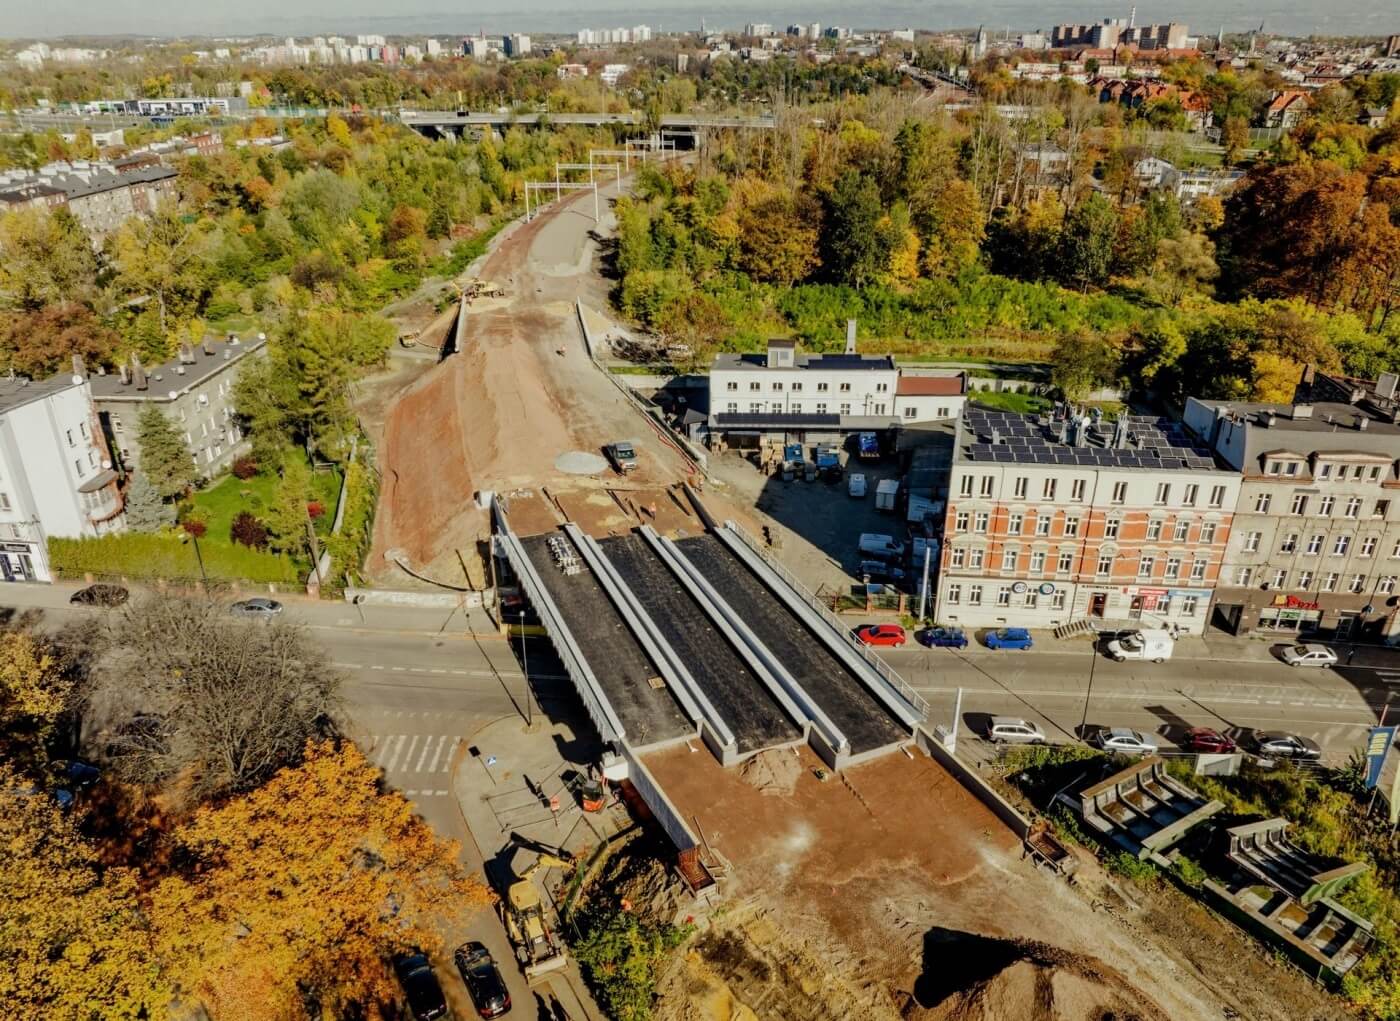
point(101, 197)
point(1057, 518)
point(516, 45)
point(193, 390)
point(791, 396)
point(56, 477)
point(1316, 544)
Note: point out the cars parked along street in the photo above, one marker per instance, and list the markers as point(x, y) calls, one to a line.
point(421, 987)
point(1009, 638)
point(1013, 730)
point(1205, 739)
point(1271, 744)
point(100, 595)
point(941, 637)
point(482, 979)
point(1309, 655)
point(257, 607)
point(1124, 741)
point(882, 634)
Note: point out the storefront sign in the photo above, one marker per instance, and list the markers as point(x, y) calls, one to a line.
point(1152, 591)
point(1295, 603)
point(1377, 745)
point(1046, 589)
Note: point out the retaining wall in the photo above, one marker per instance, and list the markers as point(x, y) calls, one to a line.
point(979, 788)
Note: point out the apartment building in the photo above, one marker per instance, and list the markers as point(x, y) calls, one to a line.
point(99, 196)
point(1315, 547)
point(1062, 517)
point(786, 394)
point(194, 390)
point(56, 477)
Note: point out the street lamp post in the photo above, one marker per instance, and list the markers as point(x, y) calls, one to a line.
point(199, 557)
point(1089, 691)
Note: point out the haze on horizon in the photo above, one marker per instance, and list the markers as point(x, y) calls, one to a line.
point(420, 17)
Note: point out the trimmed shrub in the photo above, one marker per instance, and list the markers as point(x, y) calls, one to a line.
point(166, 555)
point(248, 531)
point(245, 468)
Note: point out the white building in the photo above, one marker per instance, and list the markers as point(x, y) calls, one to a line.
point(517, 45)
point(56, 477)
point(612, 72)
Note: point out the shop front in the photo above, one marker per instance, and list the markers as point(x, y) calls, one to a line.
point(1328, 616)
point(21, 561)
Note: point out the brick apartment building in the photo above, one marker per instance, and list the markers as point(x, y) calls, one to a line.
point(1057, 518)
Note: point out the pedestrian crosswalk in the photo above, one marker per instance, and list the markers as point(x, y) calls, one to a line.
point(1388, 677)
point(417, 764)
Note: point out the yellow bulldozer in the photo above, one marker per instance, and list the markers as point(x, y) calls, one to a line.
point(537, 948)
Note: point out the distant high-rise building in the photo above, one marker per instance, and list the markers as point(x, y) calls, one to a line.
point(641, 34)
point(516, 45)
point(758, 30)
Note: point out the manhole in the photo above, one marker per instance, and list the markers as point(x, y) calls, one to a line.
point(580, 462)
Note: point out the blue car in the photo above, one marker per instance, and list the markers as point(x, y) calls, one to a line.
point(941, 638)
point(1009, 638)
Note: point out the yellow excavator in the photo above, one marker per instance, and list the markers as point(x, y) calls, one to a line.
point(537, 948)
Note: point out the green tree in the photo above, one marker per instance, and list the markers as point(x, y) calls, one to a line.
point(1234, 136)
point(858, 245)
point(1184, 265)
point(1082, 363)
point(145, 510)
point(45, 258)
point(287, 518)
point(1086, 243)
point(161, 256)
point(165, 459)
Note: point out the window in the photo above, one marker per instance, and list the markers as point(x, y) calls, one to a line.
point(1048, 490)
point(974, 559)
point(1244, 576)
point(1314, 546)
point(1261, 503)
point(1071, 526)
point(1325, 506)
point(1145, 565)
point(1386, 585)
point(1110, 528)
point(1198, 570)
point(78, 467)
point(878, 408)
point(845, 388)
point(1358, 471)
point(821, 388)
point(1057, 601)
point(754, 386)
point(732, 407)
point(979, 522)
point(960, 520)
point(1105, 565)
point(1208, 531)
point(92, 459)
point(1381, 508)
point(777, 387)
point(1290, 468)
point(1042, 524)
point(1008, 559)
point(1173, 568)
point(1368, 546)
point(1395, 552)
point(1020, 487)
point(965, 485)
point(82, 428)
point(1353, 507)
point(845, 408)
point(1375, 473)
point(1305, 580)
point(1004, 596)
point(796, 387)
point(1271, 468)
point(1154, 529)
point(1289, 543)
point(1217, 496)
point(1341, 545)
point(1182, 529)
point(1120, 492)
point(4, 501)
point(755, 408)
point(1076, 489)
point(1300, 503)
point(1030, 599)
point(987, 483)
point(1280, 578)
point(957, 557)
point(117, 422)
point(821, 407)
point(69, 434)
point(777, 407)
point(1038, 562)
point(1164, 493)
point(1357, 584)
point(954, 594)
point(908, 412)
point(882, 388)
point(1251, 541)
point(1189, 496)
point(1324, 472)
point(1329, 583)
point(1014, 522)
point(974, 595)
point(1065, 564)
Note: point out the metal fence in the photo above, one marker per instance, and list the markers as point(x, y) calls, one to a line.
point(875, 662)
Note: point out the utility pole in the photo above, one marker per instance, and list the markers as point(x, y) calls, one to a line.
point(923, 587)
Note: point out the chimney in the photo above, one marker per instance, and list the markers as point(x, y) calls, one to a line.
point(850, 336)
point(208, 351)
point(1302, 411)
point(186, 354)
point(126, 379)
point(138, 374)
point(78, 368)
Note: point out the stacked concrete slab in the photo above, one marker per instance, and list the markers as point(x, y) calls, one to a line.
point(1143, 809)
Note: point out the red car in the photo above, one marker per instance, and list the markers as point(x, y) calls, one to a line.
point(1204, 739)
point(882, 634)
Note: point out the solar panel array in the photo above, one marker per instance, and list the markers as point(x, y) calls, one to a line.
point(1020, 439)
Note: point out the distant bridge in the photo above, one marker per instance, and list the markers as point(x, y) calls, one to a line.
point(449, 122)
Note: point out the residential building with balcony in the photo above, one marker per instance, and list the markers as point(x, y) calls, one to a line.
point(56, 477)
point(195, 390)
point(1315, 548)
point(1060, 517)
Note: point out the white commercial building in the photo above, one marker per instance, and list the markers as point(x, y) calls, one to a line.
point(56, 478)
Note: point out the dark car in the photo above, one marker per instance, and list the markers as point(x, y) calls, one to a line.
point(420, 986)
point(879, 571)
point(100, 595)
point(75, 774)
point(1009, 638)
point(483, 980)
point(1205, 739)
point(1276, 745)
point(941, 638)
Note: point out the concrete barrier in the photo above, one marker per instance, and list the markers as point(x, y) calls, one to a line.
point(979, 788)
point(429, 600)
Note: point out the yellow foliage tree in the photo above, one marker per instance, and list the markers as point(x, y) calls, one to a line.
point(904, 260)
point(34, 693)
point(302, 889)
point(1275, 377)
point(73, 943)
point(338, 130)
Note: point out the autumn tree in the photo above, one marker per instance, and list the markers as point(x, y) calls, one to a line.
point(1234, 136)
point(35, 694)
point(302, 889)
point(165, 459)
point(1184, 265)
point(162, 256)
point(41, 342)
point(45, 258)
point(1081, 364)
point(778, 237)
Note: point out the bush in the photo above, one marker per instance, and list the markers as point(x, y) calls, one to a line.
point(1129, 866)
point(165, 555)
point(245, 468)
point(623, 958)
point(248, 531)
point(314, 509)
point(349, 546)
point(1189, 872)
point(195, 527)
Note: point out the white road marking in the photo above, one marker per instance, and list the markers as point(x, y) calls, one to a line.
point(397, 669)
point(381, 755)
point(447, 763)
point(409, 757)
point(437, 671)
point(437, 754)
point(423, 756)
point(398, 750)
point(376, 666)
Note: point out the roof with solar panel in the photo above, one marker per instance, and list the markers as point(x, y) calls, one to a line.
point(1065, 438)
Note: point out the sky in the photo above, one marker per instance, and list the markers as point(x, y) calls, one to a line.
point(24, 18)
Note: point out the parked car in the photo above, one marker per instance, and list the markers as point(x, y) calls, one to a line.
point(256, 607)
point(1009, 638)
point(100, 595)
point(75, 774)
point(1309, 655)
point(942, 637)
point(882, 634)
point(1013, 730)
point(1277, 745)
point(420, 986)
point(1125, 741)
point(1154, 645)
point(878, 570)
point(622, 455)
point(855, 485)
point(482, 979)
point(1204, 739)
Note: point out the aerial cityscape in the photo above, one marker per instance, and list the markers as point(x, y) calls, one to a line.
point(627, 514)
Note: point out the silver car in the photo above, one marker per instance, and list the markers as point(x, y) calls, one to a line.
point(1309, 655)
point(259, 608)
point(1125, 741)
point(1013, 730)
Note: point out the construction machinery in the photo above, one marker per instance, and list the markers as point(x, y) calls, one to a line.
point(537, 948)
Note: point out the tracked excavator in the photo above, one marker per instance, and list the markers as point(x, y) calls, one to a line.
point(537, 948)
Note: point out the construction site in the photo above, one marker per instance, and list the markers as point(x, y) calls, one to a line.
point(837, 857)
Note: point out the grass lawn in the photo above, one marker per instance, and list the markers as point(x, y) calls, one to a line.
point(221, 503)
point(1010, 400)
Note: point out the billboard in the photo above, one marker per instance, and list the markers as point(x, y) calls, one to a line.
point(1378, 743)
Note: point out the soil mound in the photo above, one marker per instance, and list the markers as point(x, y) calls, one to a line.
point(973, 978)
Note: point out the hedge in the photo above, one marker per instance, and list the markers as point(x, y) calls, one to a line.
point(350, 546)
point(135, 555)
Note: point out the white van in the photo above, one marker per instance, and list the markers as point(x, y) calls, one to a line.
point(882, 547)
point(1154, 645)
point(856, 485)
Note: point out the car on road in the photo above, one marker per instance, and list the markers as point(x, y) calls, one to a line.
point(622, 455)
point(256, 607)
point(941, 637)
point(879, 571)
point(1013, 730)
point(1009, 638)
point(1125, 741)
point(882, 634)
point(100, 594)
point(1309, 655)
point(1272, 744)
point(1206, 739)
point(420, 986)
point(482, 979)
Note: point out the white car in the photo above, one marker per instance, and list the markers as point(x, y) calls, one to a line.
point(1125, 741)
point(1309, 655)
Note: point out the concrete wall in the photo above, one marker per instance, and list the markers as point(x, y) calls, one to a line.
point(979, 788)
point(666, 813)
